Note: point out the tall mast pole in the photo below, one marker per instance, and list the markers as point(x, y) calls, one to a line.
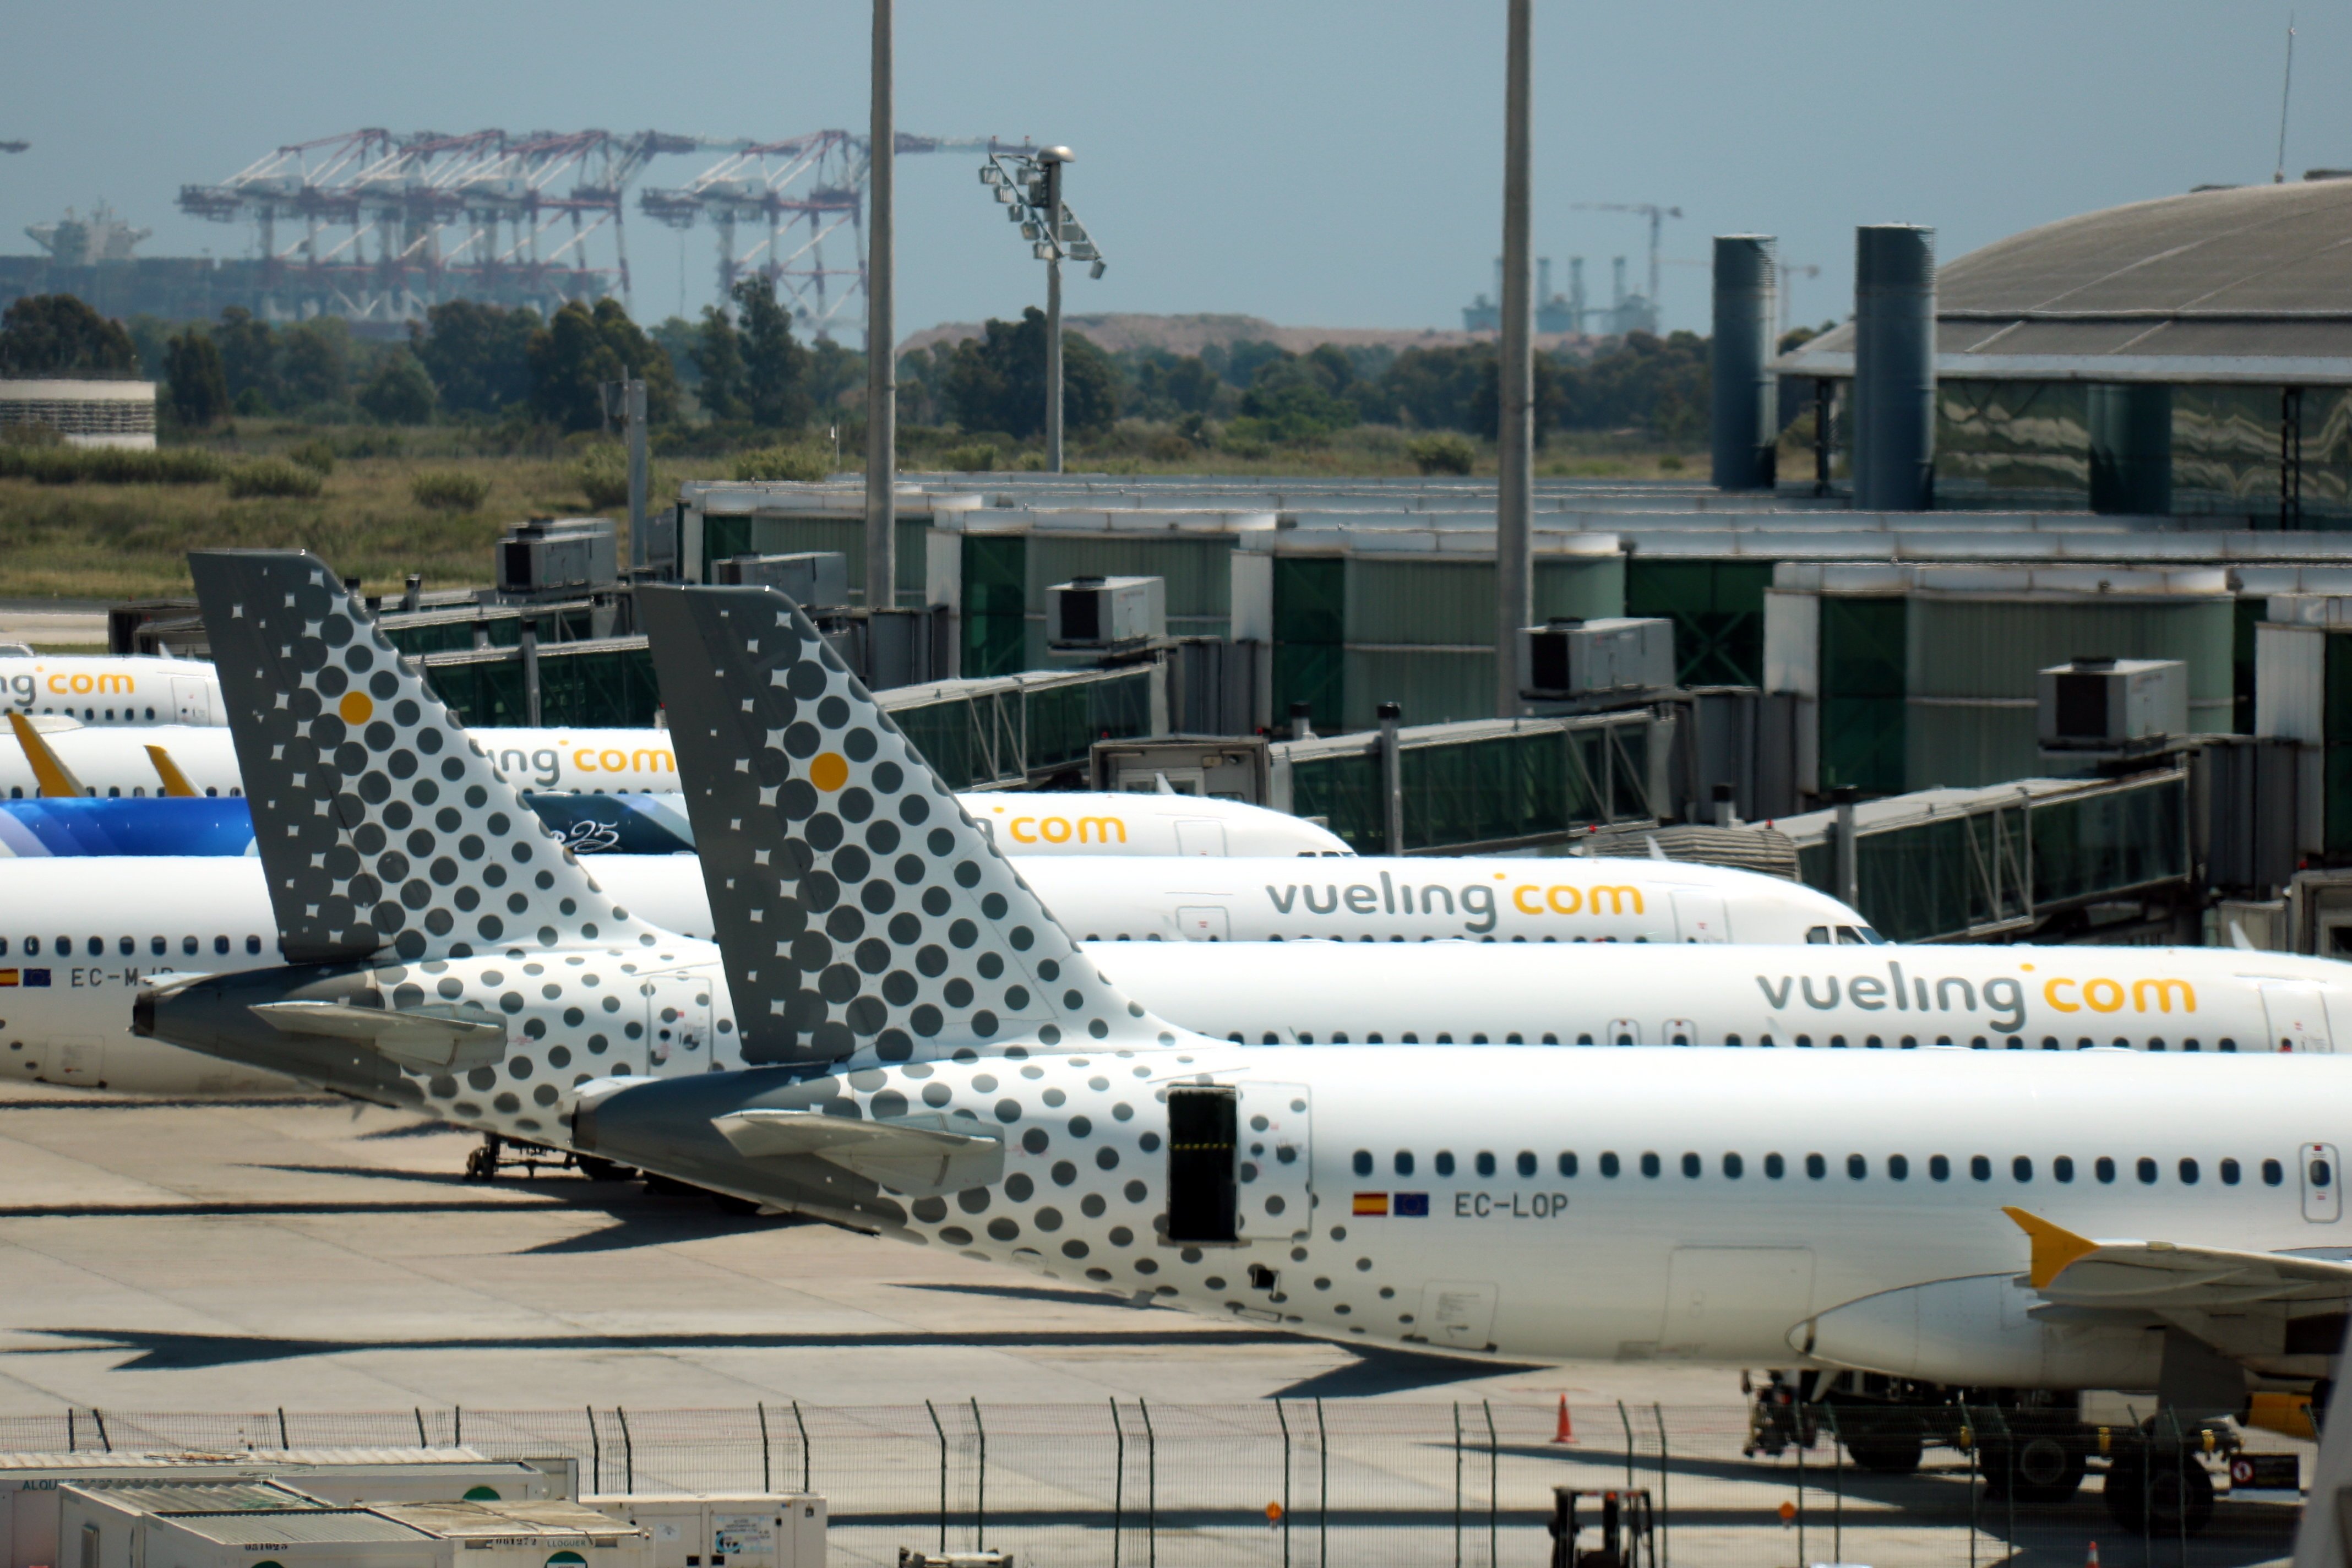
point(881, 335)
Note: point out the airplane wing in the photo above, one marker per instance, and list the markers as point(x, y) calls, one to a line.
point(910, 1154)
point(432, 1038)
point(2167, 1276)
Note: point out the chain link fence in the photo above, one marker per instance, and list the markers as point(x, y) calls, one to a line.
point(1278, 1484)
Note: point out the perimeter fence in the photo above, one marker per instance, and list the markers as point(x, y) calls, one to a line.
point(1290, 1483)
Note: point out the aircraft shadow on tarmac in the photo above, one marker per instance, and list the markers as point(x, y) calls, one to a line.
point(161, 1351)
point(640, 1218)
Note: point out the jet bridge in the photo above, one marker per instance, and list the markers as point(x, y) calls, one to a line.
point(2041, 859)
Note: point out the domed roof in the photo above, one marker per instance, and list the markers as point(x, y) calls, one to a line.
point(2247, 284)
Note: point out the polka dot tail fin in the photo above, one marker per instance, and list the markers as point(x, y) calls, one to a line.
point(382, 827)
point(858, 907)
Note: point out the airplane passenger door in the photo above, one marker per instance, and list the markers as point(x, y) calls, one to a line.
point(1205, 922)
point(1680, 1032)
point(1270, 1161)
point(2323, 1184)
point(192, 701)
point(1623, 1032)
point(2298, 1015)
point(1199, 836)
point(1701, 917)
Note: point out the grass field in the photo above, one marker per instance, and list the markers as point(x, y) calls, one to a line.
point(130, 541)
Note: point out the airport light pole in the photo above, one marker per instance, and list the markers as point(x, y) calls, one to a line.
point(1031, 190)
point(881, 333)
point(1514, 483)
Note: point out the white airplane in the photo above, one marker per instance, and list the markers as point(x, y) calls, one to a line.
point(73, 956)
point(112, 688)
point(944, 1066)
point(79, 935)
point(57, 757)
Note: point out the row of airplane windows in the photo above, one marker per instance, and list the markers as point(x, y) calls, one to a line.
point(114, 792)
point(1802, 1042)
point(128, 946)
point(1897, 1167)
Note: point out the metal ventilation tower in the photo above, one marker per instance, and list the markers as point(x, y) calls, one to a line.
point(384, 226)
point(793, 196)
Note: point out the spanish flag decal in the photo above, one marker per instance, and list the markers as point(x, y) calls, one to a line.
point(1371, 1202)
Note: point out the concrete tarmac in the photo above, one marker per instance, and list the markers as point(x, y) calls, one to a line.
point(320, 1256)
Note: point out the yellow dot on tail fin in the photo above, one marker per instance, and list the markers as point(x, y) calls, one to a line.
point(356, 708)
point(829, 770)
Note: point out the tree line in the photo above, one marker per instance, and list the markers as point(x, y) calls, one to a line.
point(1259, 390)
point(744, 369)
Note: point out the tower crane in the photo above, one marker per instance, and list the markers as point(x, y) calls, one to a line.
point(1656, 213)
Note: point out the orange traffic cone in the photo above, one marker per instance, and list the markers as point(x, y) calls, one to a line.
point(2092, 1561)
point(1565, 1432)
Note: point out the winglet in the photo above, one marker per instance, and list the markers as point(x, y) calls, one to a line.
point(2054, 1247)
point(55, 780)
point(175, 783)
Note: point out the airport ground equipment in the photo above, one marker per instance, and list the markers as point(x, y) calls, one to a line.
point(31, 1484)
point(784, 1530)
point(233, 1525)
point(2027, 1446)
point(1627, 1528)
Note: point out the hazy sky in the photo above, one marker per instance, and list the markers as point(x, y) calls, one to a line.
point(1326, 164)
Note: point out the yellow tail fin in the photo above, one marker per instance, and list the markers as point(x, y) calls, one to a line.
point(175, 783)
point(55, 781)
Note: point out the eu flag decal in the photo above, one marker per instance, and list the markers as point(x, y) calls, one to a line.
point(1413, 1206)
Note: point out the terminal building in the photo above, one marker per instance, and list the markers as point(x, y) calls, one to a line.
point(2189, 357)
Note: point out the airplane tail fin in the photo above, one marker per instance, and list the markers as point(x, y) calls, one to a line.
point(175, 783)
point(857, 906)
point(381, 825)
point(56, 780)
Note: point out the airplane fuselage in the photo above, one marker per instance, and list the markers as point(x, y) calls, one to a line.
point(90, 930)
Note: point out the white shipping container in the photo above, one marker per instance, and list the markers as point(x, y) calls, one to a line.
point(783, 1529)
point(29, 1483)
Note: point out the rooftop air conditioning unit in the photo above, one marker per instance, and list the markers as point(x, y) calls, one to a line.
point(1618, 656)
point(559, 555)
point(2112, 704)
point(1104, 615)
point(815, 579)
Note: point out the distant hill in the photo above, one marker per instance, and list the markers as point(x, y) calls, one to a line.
point(1191, 334)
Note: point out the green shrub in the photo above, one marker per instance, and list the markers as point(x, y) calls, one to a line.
point(1670, 464)
point(317, 454)
point(1442, 454)
point(109, 465)
point(273, 477)
point(979, 458)
point(604, 474)
point(803, 464)
point(450, 490)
